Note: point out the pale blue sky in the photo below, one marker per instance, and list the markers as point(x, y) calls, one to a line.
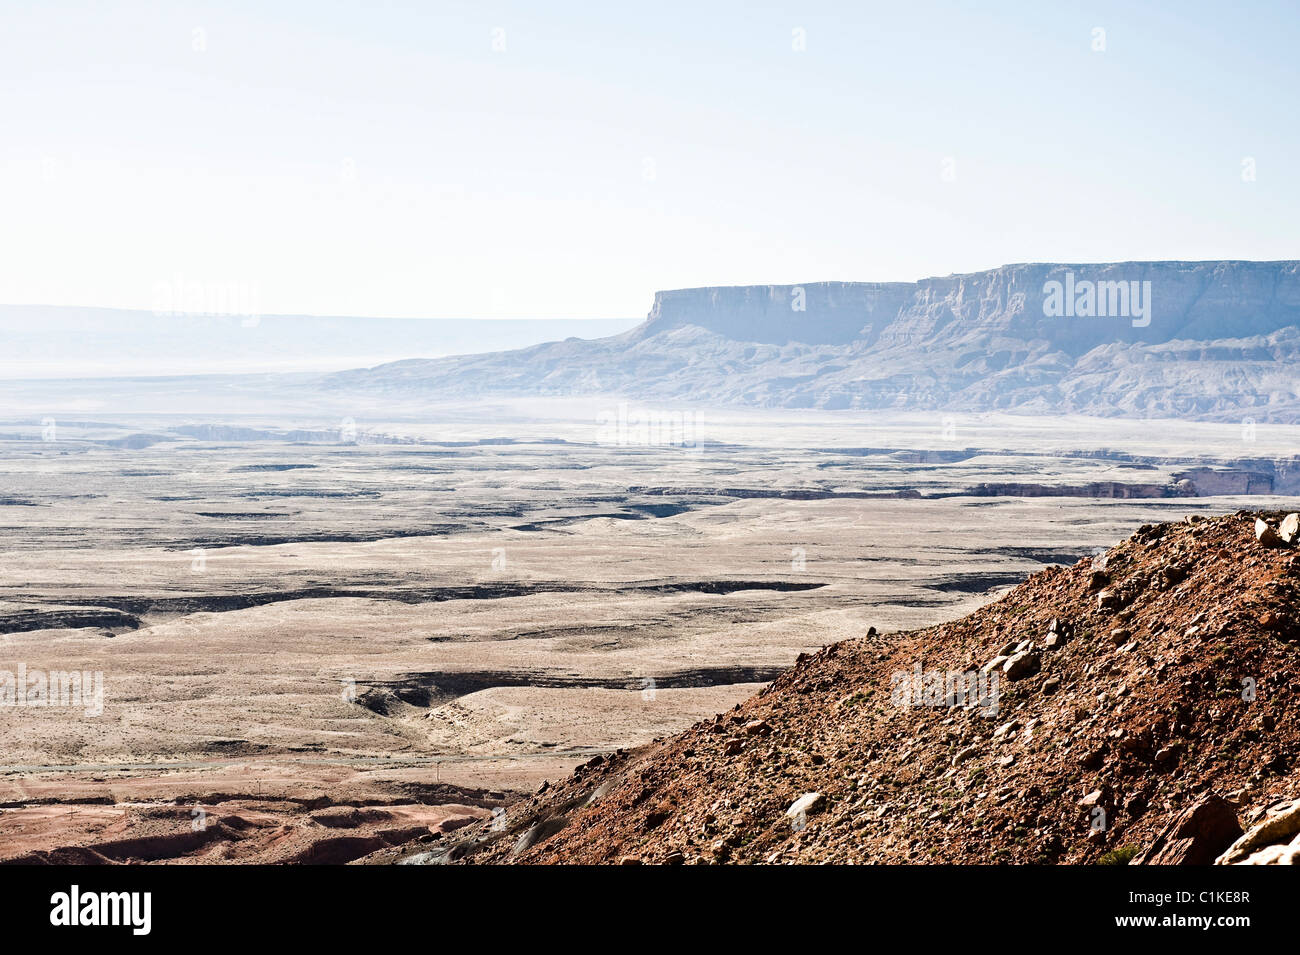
point(384, 159)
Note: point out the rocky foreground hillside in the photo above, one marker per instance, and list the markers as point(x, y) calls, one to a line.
point(1211, 340)
point(1148, 705)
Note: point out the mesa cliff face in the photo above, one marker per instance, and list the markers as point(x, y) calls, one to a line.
point(1198, 301)
point(833, 313)
point(1216, 340)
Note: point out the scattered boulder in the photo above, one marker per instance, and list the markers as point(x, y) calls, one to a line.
point(1095, 756)
point(1023, 664)
point(1195, 836)
point(806, 805)
point(1169, 753)
point(995, 663)
point(1173, 575)
point(1006, 729)
point(1289, 529)
point(1265, 534)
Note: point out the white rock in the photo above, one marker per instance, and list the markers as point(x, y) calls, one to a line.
point(1265, 534)
point(806, 805)
point(1289, 529)
point(1006, 728)
point(994, 664)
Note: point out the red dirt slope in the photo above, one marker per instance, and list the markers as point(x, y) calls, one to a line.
point(1171, 673)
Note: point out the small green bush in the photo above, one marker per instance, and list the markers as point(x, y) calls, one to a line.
point(1120, 856)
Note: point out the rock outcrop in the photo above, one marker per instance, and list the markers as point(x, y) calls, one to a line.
point(1196, 836)
point(1274, 840)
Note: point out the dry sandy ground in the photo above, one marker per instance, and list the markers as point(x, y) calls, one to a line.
point(313, 642)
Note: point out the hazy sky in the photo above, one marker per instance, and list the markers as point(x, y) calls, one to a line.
point(567, 159)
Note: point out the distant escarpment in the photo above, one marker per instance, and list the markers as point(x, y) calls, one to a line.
point(1207, 340)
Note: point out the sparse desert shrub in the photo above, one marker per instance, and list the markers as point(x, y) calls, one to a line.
point(1120, 856)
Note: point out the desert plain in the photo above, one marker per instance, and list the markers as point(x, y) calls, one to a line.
point(331, 629)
